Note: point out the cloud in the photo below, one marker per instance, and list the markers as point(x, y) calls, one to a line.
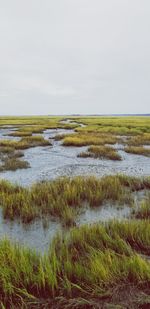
point(85, 56)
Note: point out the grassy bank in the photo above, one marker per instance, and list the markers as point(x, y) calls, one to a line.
point(91, 266)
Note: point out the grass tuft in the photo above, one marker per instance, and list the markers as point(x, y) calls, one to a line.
point(101, 152)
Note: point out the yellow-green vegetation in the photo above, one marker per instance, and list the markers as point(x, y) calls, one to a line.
point(25, 142)
point(91, 266)
point(20, 121)
point(65, 197)
point(12, 164)
point(101, 152)
point(26, 126)
point(138, 150)
point(98, 130)
point(10, 159)
point(59, 137)
point(80, 139)
point(126, 125)
point(143, 211)
point(138, 140)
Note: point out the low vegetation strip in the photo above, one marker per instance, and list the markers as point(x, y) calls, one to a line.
point(25, 142)
point(80, 139)
point(101, 152)
point(138, 150)
point(97, 264)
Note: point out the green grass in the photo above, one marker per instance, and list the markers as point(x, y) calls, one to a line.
point(64, 198)
point(101, 152)
point(138, 150)
point(90, 266)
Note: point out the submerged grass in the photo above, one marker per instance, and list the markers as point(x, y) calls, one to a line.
point(89, 267)
point(101, 152)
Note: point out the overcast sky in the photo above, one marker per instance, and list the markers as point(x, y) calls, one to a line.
point(74, 56)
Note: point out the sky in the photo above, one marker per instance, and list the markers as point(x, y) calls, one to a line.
point(74, 57)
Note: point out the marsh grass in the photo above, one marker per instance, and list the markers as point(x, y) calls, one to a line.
point(12, 164)
point(10, 159)
point(25, 142)
point(101, 152)
point(127, 125)
point(65, 197)
point(139, 140)
point(138, 150)
point(143, 212)
point(81, 139)
point(97, 264)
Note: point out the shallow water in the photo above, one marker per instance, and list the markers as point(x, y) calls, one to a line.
point(103, 214)
point(4, 134)
point(34, 235)
point(39, 236)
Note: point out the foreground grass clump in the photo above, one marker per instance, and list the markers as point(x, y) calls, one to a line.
point(89, 267)
point(101, 152)
point(65, 197)
point(138, 150)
